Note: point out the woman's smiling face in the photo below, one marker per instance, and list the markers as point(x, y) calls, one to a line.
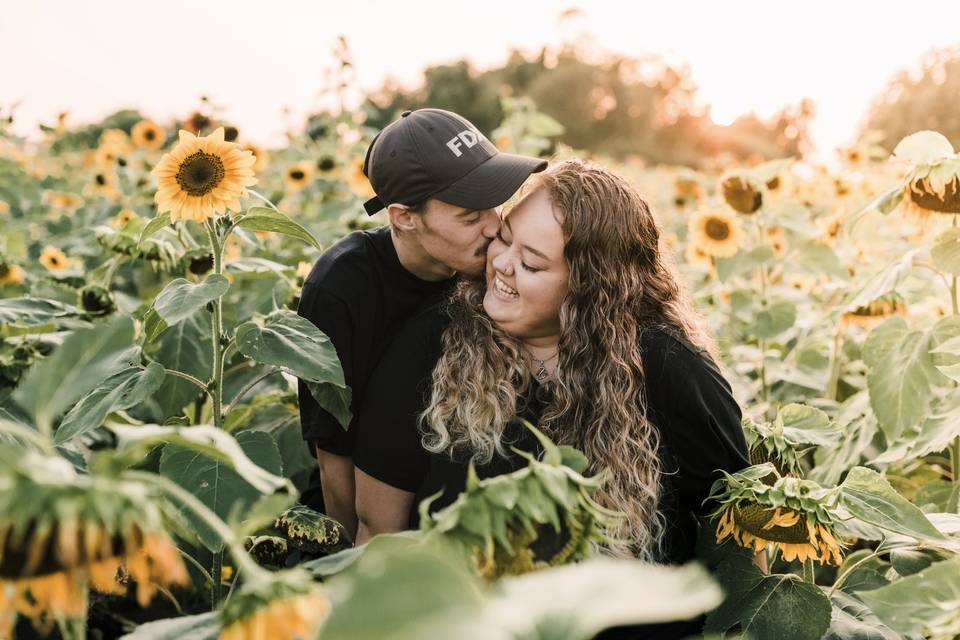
point(527, 272)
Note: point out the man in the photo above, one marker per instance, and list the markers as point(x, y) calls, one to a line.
point(442, 183)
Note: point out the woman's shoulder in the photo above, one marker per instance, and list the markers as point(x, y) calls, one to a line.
point(663, 345)
point(682, 379)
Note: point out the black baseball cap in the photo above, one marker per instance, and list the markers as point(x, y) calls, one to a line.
point(435, 153)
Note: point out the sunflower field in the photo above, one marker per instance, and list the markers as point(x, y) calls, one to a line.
point(150, 447)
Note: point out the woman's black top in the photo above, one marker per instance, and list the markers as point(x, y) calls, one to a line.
point(688, 400)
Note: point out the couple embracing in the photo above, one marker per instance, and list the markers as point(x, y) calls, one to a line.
point(459, 319)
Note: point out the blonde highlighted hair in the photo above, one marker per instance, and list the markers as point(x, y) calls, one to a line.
point(620, 285)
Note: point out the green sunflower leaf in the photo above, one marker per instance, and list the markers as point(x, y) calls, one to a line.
point(123, 390)
point(294, 343)
point(769, 606)
point(161, 221)
point(266, 219)
point(926, 603)
point(179, 300)
point(868, 496)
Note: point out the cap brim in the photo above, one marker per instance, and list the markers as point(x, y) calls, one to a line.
point(491, 183)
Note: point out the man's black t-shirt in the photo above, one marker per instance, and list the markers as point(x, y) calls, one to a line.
point(359, 294)
point(688, 401)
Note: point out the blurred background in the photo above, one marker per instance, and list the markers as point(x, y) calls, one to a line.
point(680, 83)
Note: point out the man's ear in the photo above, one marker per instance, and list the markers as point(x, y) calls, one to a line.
point(401, 217)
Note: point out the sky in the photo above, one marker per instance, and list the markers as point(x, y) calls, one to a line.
point(265, 63)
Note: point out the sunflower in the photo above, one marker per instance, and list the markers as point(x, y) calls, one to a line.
point(197, 122)
point(63, 532)
point(4, 207)
point(358, 182)
point(716, 232)
point(326, 165)
point(876, 311)
point(561, 527)
point(261, 156)
point(203, 176)
point(777, 238)
point(103, 185)
point(286, 607)
point(54, 259)
point(933, 183)
point(62, 200)
point(742, 192)
point(697, 256)
point(686, 189)
point(123, 217)
point(297, 176)
point(11, 275)
point(795, 516)
point(147, 134)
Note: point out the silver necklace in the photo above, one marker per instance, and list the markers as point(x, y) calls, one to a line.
point(542, 372)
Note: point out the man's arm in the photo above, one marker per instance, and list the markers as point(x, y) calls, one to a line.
point(333, 445)
point(381, 508)
point(339, 492)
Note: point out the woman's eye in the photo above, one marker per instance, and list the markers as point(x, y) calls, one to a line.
point(528, 268)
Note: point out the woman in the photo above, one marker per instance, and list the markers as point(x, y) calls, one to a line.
point(580, 326)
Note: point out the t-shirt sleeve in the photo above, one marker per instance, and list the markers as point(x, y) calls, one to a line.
point(332, 316)
point(388, 438)
point(699, 419)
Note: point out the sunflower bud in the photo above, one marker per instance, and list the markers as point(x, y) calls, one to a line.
point(96, 300)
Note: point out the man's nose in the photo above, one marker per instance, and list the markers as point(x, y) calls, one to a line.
point(491, 223)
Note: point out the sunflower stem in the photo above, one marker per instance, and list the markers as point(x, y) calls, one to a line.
point(216, 575)
point(808, 575)
point(248, 386)
point(834, 382)
point(846, 574)
point(216, 325)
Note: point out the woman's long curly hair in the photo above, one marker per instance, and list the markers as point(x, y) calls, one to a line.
point(620, 285)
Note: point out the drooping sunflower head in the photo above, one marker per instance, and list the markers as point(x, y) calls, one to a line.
point(876, 311)
point(540, 516)
point(197, 122)
point(298, 175)
point(716, 232)
point(55, 260)
point(742, 191)
point(289, 606)
point(147, 134)
point(62, 532)
point(312, 532)
point(203, 176)
point(795, 516)
point(933, 183)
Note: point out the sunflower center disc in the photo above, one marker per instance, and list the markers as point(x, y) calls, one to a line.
point(200, 173)
point(717, 229)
